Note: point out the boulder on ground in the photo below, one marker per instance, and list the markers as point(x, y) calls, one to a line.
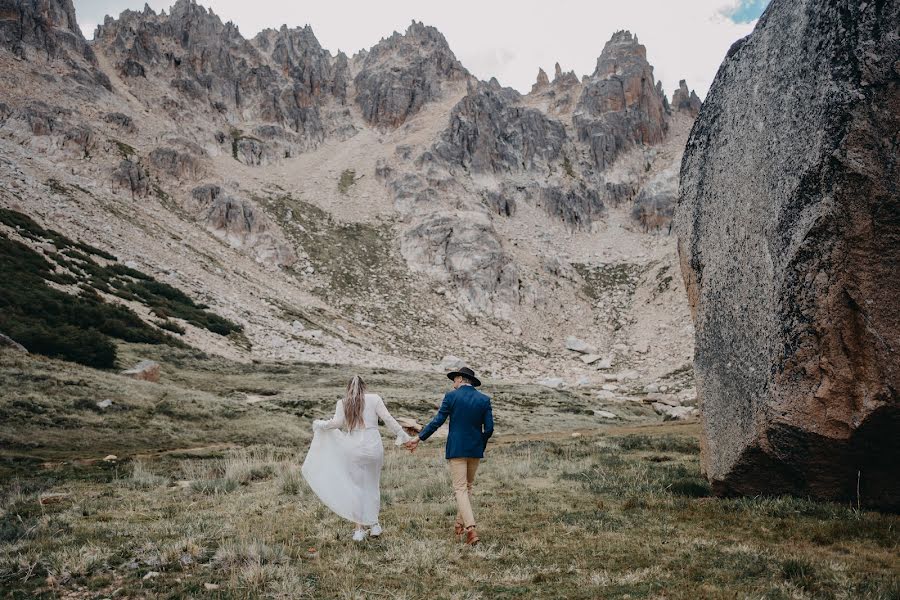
point(552, 382)
point(674, 412)
point(146, 370)
point(576, 345)
point(590, 359)
point(789, 240)
point(451, 363)
point(605, 414)
point(8, 342)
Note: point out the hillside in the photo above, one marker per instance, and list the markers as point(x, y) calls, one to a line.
point(380, 209)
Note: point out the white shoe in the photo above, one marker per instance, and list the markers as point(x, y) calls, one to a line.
point(376, 530)
point(359, 535)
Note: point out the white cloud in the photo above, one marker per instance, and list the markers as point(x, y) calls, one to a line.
point(507, 39)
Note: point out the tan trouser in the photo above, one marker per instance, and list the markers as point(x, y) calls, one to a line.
point(462, 472)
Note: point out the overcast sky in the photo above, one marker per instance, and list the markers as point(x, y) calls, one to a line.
point(506, 39)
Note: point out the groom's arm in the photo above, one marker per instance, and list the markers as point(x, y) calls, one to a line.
point(438, 420)
point(488, 430)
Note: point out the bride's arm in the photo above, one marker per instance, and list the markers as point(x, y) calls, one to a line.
point(336, 422)
point(392, 424)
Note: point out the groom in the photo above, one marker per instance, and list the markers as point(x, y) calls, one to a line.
point(471, 424)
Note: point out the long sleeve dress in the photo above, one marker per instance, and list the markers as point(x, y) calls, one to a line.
point(344, 468)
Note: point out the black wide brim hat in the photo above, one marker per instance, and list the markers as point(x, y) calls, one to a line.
point(467, 373)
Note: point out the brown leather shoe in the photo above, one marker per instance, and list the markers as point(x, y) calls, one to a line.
point(472, 536)
point(459, 528)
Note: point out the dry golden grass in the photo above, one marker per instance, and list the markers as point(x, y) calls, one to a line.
point(614, 513)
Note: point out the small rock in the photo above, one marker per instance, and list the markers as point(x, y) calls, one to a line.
point(110, 458)
point(674, 412)
point(552, 382)
point(642, 348)
point(576, 434)
point(609, 387)
point(604, 364)
point(651, 388)
point(628, 375)
point(151, 575)
point(664, 388)
point(210, 587)
point(104, 404)
point(8, 342)
point(146, 370)
point(605, 414)
point(605, 395)
point(576, 345)
point(451, 363)
point(663, 399)
point(584, 382)
point(56, 498)
point(590, 358)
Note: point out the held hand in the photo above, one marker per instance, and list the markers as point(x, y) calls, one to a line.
point(412, 444)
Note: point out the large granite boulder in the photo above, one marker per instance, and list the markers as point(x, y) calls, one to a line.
point(789, 240)
point(620, 105)
point(403, 72)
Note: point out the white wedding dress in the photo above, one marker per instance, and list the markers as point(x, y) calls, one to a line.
point(344, 468)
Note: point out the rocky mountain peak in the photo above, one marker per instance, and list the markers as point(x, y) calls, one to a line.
point(301, 57)
point(620, 54)
point(403, 72)
point(621, 105)
point(542, 81)
point(48, 29)
point(686, 100)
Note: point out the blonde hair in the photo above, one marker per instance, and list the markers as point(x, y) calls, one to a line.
point(354, 402)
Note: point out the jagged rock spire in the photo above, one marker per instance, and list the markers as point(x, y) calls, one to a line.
point(542, 81)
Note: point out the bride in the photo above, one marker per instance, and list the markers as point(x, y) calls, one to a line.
point(343, 468)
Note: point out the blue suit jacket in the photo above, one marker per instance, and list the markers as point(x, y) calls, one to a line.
point(471, 422)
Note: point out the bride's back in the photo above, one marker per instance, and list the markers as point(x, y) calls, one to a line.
point(371, 405)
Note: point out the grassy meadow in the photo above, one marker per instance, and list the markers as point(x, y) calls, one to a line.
point(204, 498)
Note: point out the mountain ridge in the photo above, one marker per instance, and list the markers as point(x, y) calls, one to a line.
point(467, 205)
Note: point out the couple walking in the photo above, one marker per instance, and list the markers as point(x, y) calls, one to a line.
point(343, 465)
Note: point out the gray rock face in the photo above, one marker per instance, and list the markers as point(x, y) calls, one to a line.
point(315, 74)
point(789, 239)
point(654, 206)
point(462, 249)
point(490, 131)
point(620, 105)
point(686, 100)
point(561, 93)
point(403, 72)
point(577, 206)
point(121, 121)
point(169, 162)
point(131, 177)
point(47, 29)
point(245, 227)
point(542, 83)
point(282, 76)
